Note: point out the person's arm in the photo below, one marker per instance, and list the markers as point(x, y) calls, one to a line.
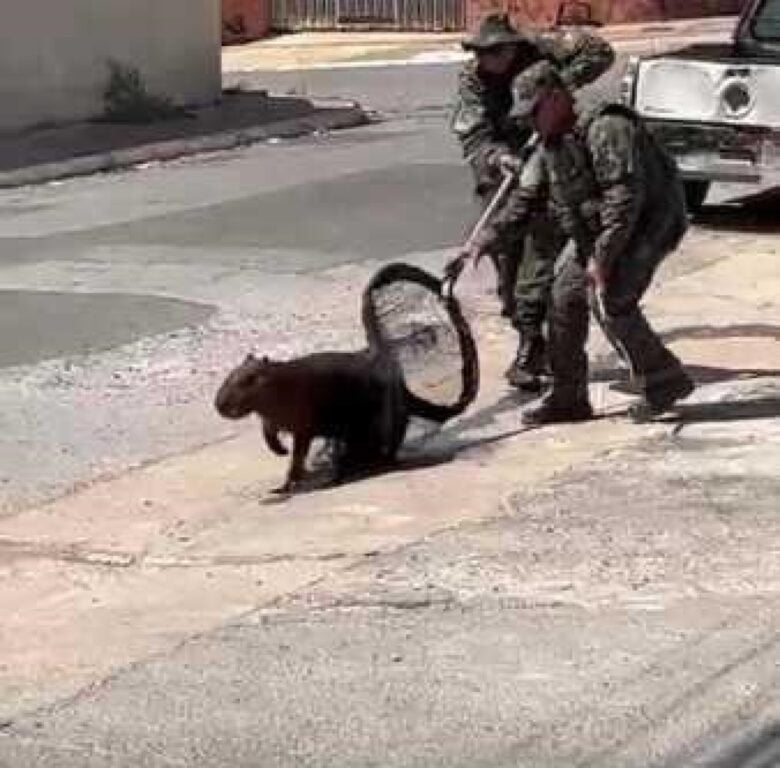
point(507, 226)
point(474, 128)
point(612, 145)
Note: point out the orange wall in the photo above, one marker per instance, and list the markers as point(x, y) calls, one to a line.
point(244, 20)
point(543, 12)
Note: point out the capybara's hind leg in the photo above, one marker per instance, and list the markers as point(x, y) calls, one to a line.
point(359, 457)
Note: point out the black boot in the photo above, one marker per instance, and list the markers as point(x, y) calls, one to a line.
point(559, 407)
point(530, 363)
point(662, 398)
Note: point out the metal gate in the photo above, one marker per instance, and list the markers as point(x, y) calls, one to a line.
point(421, 15)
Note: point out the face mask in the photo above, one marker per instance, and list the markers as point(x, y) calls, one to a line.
point(554, 115)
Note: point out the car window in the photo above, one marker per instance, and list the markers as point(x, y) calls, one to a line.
point(766, 23)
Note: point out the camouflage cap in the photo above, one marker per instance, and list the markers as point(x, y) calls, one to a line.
point(496, 29)
point(532, 83)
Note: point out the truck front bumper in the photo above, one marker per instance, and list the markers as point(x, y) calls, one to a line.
point(721, 153)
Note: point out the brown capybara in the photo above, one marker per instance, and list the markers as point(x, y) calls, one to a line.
point(357, 399)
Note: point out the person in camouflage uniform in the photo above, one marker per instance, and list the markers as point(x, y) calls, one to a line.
point(491, 138)
point(618, 196)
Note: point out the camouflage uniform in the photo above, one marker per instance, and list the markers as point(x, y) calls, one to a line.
point(619, 198)
point(482, 121)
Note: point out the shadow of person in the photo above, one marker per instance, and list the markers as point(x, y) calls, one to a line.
point(606, 370)
point(712, 332)
point(733, 410)
point(758, 213)
point(322, 477)
point(757, 749)
point(701, 374)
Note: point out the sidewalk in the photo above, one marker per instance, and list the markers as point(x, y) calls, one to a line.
point(318, 50)
point(46, 154)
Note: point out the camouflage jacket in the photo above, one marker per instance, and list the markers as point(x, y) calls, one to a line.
point(610, 185)
point(481, 117)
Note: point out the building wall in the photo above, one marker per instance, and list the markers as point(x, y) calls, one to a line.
point(53, 54)
point(543, 12)
point(244, 20)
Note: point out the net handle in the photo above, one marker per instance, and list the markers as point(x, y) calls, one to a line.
point(508, 177)
point(509, 174)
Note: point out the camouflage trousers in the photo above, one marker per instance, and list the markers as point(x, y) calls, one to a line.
point(526, 270)
point(653, 365)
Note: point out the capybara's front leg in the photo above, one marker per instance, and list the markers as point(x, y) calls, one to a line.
point(301, 445)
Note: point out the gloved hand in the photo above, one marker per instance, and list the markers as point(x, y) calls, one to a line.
point(455, 265)
point(509, 163)
point(505, 162)
point(597, 275)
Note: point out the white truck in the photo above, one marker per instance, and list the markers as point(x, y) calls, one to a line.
point(716, 107)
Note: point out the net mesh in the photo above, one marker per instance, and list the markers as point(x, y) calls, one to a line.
point(404, 312)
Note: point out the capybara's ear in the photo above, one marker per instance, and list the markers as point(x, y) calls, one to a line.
point(250, 358)
point(265, 360)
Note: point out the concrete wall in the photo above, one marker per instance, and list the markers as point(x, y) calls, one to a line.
point(53, 53)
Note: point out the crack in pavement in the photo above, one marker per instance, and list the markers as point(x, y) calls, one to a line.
point(11, 549)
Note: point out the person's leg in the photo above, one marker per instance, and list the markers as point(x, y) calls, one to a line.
point(568, 323)
point(532, 300)
point(507, 266)
point(657, 370)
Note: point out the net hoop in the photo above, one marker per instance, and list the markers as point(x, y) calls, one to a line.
point(399, 272)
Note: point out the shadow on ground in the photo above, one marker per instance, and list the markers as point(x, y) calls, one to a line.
point(607, 371)
point(736, 410)
point(759, 213)
point(746, 331)
point(759, 750)
point(236, 110)
point(42, 325)
point(322, 477)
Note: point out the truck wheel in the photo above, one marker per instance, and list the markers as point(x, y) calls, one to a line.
point(695, 194)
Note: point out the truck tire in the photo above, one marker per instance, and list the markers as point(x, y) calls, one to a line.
point(695, 195)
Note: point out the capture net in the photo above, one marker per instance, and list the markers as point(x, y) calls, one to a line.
point(407, 312)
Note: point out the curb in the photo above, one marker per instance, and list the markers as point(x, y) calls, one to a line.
point(328, 116)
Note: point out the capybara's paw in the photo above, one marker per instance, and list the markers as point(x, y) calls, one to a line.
point(285, 490)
